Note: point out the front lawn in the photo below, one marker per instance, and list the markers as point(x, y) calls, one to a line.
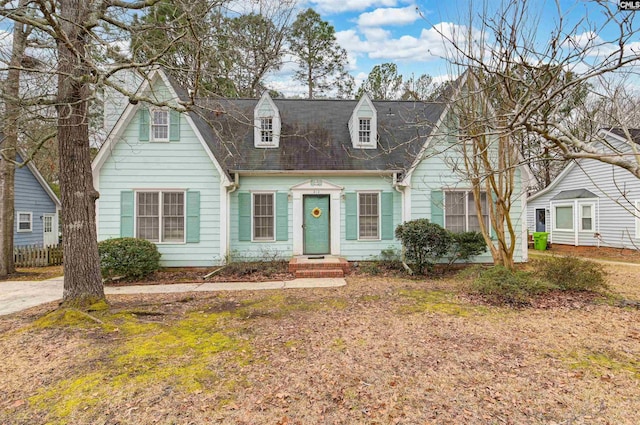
point(378, 351)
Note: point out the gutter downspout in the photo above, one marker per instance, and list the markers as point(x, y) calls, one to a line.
point(231, 187)
point(400, 189)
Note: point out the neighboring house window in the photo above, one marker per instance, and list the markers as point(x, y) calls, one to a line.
point(637, 215)
point(586, 217)
point(266, 130)
point(48, 223)
point(364, 133)
point(563, 217)
point(160, 125)
point(25, 222)
point(263, 217)
point(368, 215)
point(160, 216)
point(460, 211)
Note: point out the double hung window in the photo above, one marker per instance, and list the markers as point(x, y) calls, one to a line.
point(160, 216)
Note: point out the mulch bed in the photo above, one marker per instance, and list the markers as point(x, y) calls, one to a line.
point(236, 272)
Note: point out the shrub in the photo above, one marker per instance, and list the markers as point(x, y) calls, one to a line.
point(128, 257)
point(466, 245)
point(573, 274)
point(425, 243)
point(503, 286)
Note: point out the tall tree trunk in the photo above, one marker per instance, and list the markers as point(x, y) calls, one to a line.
point(82, 280)
point(11, 93)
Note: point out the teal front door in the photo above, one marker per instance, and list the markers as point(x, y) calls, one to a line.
point(316, 224)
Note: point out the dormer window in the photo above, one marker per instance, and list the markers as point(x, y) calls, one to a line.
point(364, 134)
point(363, 124)
point(266, 130)
point(266, 123)
point(160, 125)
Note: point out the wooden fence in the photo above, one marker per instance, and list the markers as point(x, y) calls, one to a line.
point(37, 256)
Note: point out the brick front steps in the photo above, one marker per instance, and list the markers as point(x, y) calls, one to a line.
point(309, 266)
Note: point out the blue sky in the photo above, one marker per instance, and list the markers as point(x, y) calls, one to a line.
point(404, 31)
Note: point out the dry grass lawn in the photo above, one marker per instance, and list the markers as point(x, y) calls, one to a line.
point(378, 351)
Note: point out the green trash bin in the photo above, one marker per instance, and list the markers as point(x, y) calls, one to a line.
point(540, 240)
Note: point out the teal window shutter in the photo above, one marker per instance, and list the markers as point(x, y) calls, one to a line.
point(143, 118)
point(437, 207)
point(282, 217)
point(351, 221)
point(244, 216)
point(387, 215)
point(492, 233)
point(126, 214)
point(174, 126)
point(193, 216)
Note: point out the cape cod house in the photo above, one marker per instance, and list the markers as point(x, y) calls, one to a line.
point(591, 203)
point(254, 178)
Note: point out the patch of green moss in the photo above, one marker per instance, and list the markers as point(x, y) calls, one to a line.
point(182, 354)
point(600, 363)
point(100, 305)
point(332, 304)
point(339, 344)
point(66, 317)
point(69, 395)
point(370, 298)
point(292, 343)
point(437, 302)
point(178, 352)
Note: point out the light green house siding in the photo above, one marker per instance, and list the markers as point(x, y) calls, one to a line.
point(435, 174)
point(178, 165)
point(350, 249)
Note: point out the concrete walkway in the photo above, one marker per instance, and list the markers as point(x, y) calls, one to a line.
point(19, 295)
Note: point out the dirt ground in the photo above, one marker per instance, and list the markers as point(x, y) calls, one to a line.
point(378, 351)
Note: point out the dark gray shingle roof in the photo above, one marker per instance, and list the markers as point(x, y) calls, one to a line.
point(574, 194)
point(315, 135)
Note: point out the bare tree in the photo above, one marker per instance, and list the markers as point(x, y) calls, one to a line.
point(82, 37)
point(538, 79)
point(523, 87)
point(8, 144)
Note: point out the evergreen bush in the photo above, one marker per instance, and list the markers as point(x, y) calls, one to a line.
point(130, 258)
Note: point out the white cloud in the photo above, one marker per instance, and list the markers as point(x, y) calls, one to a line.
point(592, 45)
point(389, 16)
point(379, 44)
point(338, 6)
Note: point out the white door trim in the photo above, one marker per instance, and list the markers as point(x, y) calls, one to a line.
point(316, 187)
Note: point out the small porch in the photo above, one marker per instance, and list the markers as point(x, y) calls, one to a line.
point(318, 266)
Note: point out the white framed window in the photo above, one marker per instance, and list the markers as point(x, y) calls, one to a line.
point(24, 222)
point(160, 125)
point(586, 217)
point(266, 130)
point(460, 211)
point(369, 215)
point(364, 131)
point(160, 216)
point(563, 217)
point(263, 220)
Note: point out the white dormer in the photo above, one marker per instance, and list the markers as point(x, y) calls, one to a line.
point(363, 124)
point(266, 123)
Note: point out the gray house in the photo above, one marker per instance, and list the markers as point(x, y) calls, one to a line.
point(590, 203)
point(36, 208)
